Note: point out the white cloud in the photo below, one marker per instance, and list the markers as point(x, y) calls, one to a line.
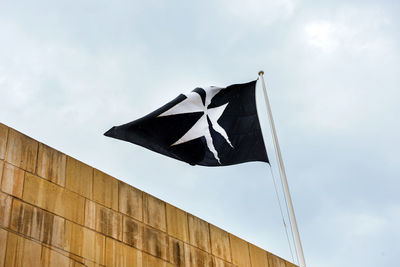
point(357, 30)
point(348, 49)
point(260, 12)
point(334, 110)
point(324, 35)
point(361, 225)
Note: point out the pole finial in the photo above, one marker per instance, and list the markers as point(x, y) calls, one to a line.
point(261, 72)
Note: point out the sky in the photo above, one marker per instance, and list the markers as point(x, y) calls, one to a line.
point(70, 70)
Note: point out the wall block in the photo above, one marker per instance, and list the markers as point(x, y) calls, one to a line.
point(132, 232)
point(3, 243)
point(119, 254)
point(154, 212)
point(177, 223)
point(3, 140)
point(51, 164)
point(79, 177)
point(52, 258)
point(21, 151)
point(199, 234)
point(130, 201)
point(176, 252)
point(275, 261)
point(196, 257)
point(5, 209)
point(151, 261)
point(240, 251)
point(221, 263)
point(1, 171)
point(155, 242)
point(105, 190)
point(22, 252)
point(12, 181)
point(220, 243)
point(84, 242)
point(258, 256)
point(104, 220)
point(38, 224)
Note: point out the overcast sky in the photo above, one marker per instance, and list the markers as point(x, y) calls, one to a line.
point(69, 70)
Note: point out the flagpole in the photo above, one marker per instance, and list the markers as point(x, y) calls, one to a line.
point(283, 173)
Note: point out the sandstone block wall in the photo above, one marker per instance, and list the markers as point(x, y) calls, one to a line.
point(58, 211)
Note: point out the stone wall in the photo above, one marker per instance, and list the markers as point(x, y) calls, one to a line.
point(58, 211)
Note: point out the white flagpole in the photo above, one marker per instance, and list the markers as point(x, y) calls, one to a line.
point(283, 173)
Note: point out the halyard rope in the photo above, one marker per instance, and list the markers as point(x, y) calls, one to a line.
point(283, 217)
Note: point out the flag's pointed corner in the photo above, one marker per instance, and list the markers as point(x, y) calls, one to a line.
point(111, 132)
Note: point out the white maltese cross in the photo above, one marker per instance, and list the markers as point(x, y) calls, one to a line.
point(193, 103)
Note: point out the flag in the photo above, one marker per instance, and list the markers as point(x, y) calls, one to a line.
point(209, 126)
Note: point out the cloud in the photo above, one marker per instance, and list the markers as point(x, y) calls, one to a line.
point(357, 30)
point(347, 49)
point(324, 35)
point(361, 225)
point(260, 12)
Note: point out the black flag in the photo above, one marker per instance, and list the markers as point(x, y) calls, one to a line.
point(209, 126)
